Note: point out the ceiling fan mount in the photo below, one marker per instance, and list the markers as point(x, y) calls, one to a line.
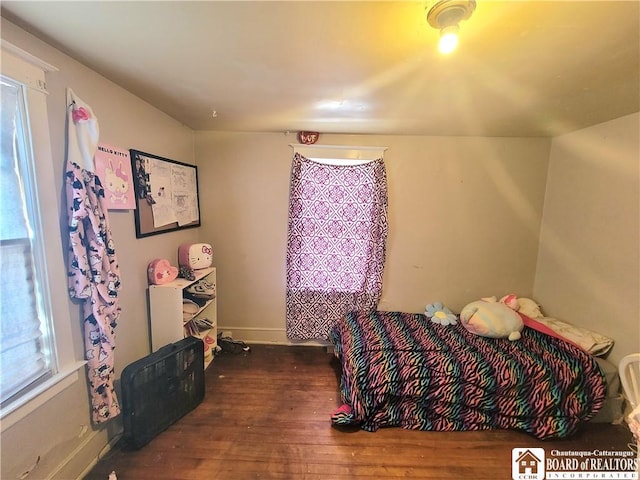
point(447, 13)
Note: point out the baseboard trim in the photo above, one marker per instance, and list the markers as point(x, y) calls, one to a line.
point(268, 336)
point(102, 451)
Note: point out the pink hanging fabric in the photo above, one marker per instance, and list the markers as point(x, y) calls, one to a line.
point(94, 276)
point(336, 243)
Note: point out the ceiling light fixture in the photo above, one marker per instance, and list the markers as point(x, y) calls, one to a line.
point(445, 16)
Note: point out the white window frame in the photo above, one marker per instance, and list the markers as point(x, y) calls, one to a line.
point(30, 71)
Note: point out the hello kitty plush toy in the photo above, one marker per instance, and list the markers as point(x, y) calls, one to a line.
point(195, 255)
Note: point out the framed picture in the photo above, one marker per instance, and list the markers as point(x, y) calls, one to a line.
point(166, 194)
point(113, 167)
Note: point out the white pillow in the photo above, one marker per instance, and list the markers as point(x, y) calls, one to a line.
point(595, 343)
point(529, 307)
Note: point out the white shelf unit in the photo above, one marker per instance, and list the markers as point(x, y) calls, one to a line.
point(167, 322)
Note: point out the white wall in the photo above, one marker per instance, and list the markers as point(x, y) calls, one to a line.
point(464, 218)
point(588, 262)
point(59, 433)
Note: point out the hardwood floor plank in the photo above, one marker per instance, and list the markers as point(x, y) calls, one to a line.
point(266, 415)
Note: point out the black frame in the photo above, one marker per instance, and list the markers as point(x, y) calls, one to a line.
point(143, 213)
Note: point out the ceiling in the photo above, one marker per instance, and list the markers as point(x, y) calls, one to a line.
point(522, 68)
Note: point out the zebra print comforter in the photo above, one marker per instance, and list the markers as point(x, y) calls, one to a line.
point(400, 369)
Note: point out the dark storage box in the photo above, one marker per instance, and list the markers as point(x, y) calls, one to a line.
point(160, 388)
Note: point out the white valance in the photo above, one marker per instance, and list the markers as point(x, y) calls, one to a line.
point(339, 154)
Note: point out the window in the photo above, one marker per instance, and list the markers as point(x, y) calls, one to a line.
point(36, 350)
point(26, 352)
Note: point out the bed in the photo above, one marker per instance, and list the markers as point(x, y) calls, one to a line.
point(400, 369)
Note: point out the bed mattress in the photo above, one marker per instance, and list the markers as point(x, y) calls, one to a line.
point(400, 369)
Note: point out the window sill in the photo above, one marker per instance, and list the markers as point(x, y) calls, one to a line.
point(22, 407)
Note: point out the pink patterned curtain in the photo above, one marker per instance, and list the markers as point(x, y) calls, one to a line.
point(336, 243)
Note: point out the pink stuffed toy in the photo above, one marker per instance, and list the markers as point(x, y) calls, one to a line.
point(510, 301)
point(160, 272)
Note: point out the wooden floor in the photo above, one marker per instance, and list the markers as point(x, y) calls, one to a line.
point(266, 415)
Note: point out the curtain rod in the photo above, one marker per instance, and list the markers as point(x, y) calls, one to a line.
point(346, 147)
